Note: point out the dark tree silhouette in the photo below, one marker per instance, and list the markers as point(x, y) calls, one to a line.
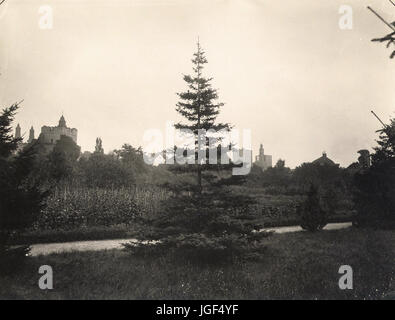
point(313, 217)
point(389, 38)
point(375, 186)
point(198, 104)
point(205, 221)
point(20, 196)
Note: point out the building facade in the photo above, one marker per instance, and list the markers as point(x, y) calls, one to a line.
point(324, 160)
point(49, 135)
point(263, 160)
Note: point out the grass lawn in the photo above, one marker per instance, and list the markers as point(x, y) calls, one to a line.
point(296, 266)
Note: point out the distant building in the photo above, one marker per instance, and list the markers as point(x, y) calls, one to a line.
point(49, 135)
point(244, 156)
point(364, 161)
point(364, 158)
point(52, 134)
point(18, 135)
point(18, 132)
point(324, 160)
point(245, 153)
point(31, 135)
point(263, 160)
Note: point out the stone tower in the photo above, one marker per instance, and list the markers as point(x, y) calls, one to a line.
point(18, 132)
point(62, 122)
point(50, 135)
point(364, 158)
point(31, 135)
point(263, 160)
point(261, 151)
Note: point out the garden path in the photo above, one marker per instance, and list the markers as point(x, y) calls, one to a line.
point(49, 248)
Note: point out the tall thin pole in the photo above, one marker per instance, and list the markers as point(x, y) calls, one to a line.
point(378, 16)
point(384, 125)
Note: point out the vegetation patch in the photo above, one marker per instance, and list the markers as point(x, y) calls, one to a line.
point(294, 266)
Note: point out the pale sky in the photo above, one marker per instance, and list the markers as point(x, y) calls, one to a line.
point(284, 69)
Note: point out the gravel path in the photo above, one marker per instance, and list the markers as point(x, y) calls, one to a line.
point(329, 226)
point(48, 248)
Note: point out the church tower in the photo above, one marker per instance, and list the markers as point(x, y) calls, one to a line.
point(31, 135)
point(263, 160)
point(18, 132)
point(261, 151)
point(62, 122)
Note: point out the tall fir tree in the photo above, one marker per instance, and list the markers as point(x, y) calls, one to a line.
point(199, 106)
point(207, 221)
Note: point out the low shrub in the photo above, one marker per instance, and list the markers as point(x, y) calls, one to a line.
point(208, 228)
point(199, 248)
point(312, 216)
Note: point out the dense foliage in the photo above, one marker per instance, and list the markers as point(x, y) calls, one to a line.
point(313, 217)
point(375, 186)
point(20, 196)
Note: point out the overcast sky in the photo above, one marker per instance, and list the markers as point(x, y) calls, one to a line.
point(284, 69)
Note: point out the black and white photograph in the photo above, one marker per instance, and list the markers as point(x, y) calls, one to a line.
point(218, 151)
